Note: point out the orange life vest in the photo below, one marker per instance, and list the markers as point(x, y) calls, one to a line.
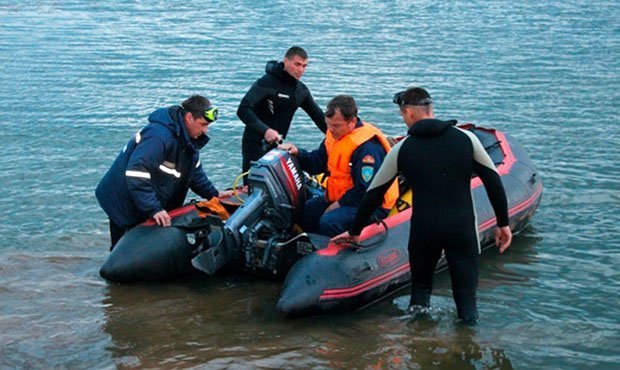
point(339, 155)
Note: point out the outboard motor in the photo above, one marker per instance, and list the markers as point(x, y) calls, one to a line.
point(259, 235)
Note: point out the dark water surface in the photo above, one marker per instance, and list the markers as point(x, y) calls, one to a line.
point(77, 78)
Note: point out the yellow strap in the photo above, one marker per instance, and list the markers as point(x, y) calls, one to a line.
point(402, 203)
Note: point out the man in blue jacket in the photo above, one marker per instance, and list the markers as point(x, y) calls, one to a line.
point(351, 153)
point(157, 167)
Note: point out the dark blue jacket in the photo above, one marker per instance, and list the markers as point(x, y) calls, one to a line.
point(154, 171)
point(362, 169)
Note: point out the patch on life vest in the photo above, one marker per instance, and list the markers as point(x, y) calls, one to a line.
point(367, 172)
point(368, 159)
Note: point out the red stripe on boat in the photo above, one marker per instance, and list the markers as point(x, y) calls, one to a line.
point(340, 293)
point(174, 213)
point(516, 209)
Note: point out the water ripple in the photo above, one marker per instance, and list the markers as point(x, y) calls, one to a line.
point(79, 78)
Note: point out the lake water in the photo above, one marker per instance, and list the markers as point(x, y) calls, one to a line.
point(78, 78)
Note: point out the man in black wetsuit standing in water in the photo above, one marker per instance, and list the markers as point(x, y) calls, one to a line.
point(267, 109)
point(438, 160)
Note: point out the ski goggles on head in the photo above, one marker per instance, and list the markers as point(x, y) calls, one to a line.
point(400, 101)
point(210, 114)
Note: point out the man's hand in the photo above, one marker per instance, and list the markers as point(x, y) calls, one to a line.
point(162, 218)
point(346, 238)
point(503, 238)
point(272, 136)
point(225, 193)
point(290, 148)
point(332, 207)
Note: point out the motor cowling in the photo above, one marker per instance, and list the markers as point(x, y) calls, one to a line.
point(279, 175)
point(260, 230)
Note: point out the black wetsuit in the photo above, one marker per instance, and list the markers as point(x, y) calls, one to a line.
point(271, 102)
point(438, 160)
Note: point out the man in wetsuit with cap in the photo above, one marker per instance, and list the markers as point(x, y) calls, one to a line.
point(267, 109)
point(438, 160)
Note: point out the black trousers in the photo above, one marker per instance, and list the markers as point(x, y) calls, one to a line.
point(116, 232)
point(463, 257)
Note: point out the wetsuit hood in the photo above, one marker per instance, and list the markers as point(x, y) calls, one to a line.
point(276, 68)
point(172, 119)
point(430, 127)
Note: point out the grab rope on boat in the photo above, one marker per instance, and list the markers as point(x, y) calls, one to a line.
point(234, 186)
point(358, 247)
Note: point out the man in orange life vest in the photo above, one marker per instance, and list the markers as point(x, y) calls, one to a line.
point(351, 154)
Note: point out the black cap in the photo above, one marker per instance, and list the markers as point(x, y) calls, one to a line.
point(416, 96)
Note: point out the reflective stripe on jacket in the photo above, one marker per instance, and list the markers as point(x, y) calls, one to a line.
point(154, 171)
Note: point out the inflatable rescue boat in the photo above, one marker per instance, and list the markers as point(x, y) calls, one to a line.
point(260, 235)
